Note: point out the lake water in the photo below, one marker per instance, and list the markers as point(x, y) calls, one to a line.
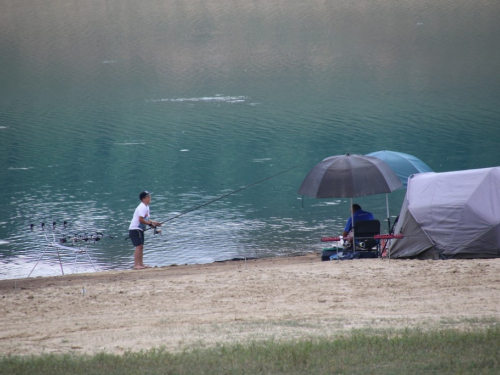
point(100, 100)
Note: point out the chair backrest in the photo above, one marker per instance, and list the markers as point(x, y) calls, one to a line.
point(364, 232)
point(366, 228)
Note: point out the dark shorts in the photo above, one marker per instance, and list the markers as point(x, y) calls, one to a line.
point(137, 237)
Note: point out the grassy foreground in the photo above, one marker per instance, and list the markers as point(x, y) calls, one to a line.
point(396, 352)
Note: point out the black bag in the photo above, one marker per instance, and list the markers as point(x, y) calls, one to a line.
point(327, 253)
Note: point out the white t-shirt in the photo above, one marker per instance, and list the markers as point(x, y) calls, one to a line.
point(141, 210)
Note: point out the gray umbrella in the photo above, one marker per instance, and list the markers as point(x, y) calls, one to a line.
point(349, 176)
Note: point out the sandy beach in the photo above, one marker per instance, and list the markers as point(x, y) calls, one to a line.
point(180, 307)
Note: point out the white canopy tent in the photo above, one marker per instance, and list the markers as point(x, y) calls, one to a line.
point(450, 215)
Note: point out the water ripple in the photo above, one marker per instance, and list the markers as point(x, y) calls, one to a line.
point(226, 99)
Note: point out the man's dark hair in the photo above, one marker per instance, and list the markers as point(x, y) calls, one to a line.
point(144, 194)
point(356, 207)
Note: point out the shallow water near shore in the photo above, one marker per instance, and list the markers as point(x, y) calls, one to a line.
point(99, 101)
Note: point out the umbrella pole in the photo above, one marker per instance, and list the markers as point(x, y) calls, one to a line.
point(352, 224)
point(388, 216)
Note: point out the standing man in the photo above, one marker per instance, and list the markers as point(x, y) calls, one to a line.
point(137, 227)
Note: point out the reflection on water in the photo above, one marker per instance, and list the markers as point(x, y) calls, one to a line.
point(101, 100)
point(217, 98)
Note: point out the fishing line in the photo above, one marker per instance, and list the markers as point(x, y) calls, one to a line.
point(227, 195)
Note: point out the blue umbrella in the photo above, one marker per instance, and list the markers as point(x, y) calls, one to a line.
point(403, 164)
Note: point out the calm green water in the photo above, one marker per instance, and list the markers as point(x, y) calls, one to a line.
point(100, 100)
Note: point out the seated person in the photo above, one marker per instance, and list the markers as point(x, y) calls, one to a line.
point(357, 214)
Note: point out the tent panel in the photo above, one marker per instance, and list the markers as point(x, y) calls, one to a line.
point(486, 245)
point(414, 243)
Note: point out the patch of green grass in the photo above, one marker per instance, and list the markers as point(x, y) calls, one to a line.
point(360, 352)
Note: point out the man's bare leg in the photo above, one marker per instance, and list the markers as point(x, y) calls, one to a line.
point(138, 258)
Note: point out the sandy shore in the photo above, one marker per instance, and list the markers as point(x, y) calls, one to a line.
point(236, 301)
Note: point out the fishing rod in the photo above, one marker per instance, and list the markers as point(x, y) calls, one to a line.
point(224, 196)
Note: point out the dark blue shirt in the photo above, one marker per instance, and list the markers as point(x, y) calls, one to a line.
point(358, 215)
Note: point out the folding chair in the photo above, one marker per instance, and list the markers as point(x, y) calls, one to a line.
point(364, 231)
